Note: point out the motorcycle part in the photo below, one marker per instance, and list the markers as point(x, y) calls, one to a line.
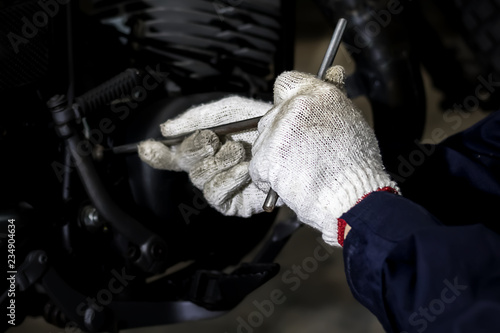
point(152, 248)
point(79, 60)
point(218, 44)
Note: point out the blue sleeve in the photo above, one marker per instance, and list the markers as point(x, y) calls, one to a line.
point(458, 180)
point(430, 261)
point(416, 274)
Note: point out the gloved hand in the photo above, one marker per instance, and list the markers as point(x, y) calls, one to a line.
point(316, 150)
point(217, 166)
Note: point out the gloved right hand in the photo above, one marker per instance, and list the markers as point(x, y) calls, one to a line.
point(316, 150)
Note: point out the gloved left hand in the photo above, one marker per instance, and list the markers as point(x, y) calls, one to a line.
point(217, 166)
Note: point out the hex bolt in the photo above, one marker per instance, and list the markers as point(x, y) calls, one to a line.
point(89, 219)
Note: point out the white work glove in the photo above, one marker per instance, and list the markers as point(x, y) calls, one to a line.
point(217, 166)
point(316, 150)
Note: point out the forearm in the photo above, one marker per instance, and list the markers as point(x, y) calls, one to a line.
point(415, 274)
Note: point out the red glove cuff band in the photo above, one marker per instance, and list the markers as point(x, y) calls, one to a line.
point(341, 223)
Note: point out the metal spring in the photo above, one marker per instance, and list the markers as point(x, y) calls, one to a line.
point(116, 87)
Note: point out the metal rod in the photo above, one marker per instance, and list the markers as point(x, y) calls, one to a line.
point(272, 196)
point(235, 127)
point(333, 47)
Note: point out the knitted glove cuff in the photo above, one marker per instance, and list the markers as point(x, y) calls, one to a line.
point(342, 224)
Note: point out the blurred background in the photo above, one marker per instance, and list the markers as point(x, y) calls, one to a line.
point(319, 301)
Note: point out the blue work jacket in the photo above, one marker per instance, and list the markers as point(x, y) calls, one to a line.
point(429, 260)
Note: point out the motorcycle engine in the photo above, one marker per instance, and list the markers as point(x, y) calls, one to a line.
point(188, 52)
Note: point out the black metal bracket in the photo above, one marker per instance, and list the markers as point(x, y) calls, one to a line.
point(32, 269)
point(152, 248)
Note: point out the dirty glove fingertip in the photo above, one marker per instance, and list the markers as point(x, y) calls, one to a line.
point(336, 75)
point(157, 155)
